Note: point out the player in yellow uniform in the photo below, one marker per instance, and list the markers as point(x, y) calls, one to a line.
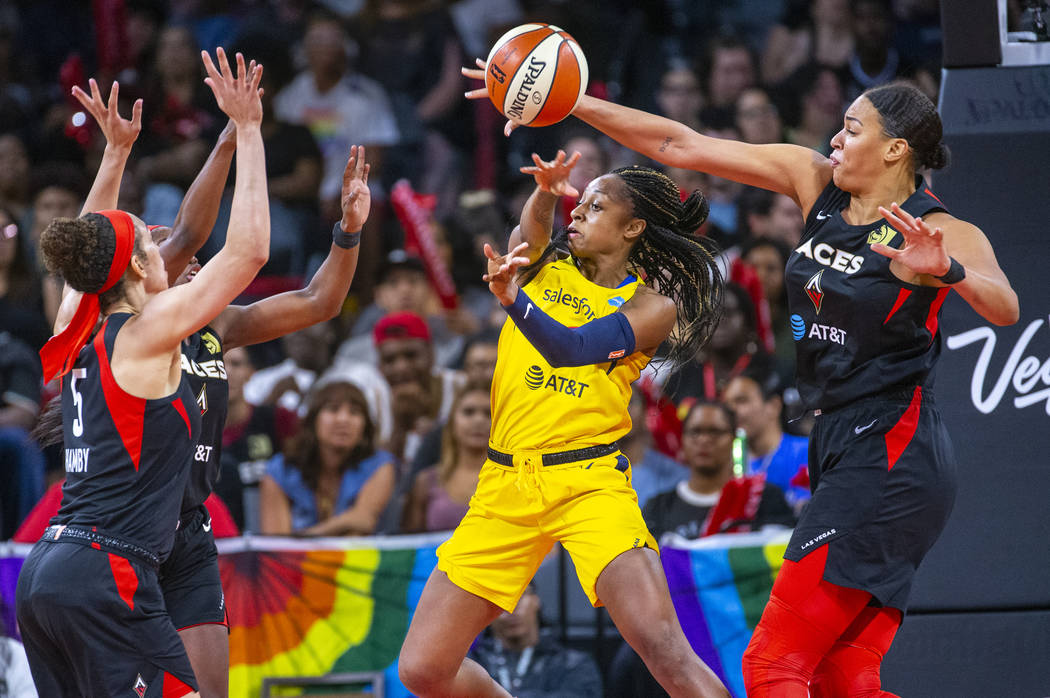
point(587, 311)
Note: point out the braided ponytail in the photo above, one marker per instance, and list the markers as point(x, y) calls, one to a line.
point(675, 261)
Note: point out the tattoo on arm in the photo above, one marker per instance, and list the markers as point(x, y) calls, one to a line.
point(667, 142)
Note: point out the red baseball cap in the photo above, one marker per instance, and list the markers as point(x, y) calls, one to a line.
point(400, 326)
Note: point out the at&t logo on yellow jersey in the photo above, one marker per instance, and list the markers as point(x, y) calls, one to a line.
point(535, 379)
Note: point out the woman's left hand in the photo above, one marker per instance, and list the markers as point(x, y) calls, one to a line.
point(923, 249)
point(502, 270)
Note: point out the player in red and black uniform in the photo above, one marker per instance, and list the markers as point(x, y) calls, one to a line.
point(864, 299)
point(189, 577)
point(88, 601)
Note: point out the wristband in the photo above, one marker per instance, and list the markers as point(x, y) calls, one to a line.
point(344, 239)
point(956, 273)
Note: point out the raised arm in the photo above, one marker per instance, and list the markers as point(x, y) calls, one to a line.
point(177, 312)
point(120, 134)
point(200, 206)
point(323, 297)
point(537, 216)
point(120, 137)
point(798, 172)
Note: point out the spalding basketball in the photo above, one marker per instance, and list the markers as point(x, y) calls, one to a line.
point(536, 74)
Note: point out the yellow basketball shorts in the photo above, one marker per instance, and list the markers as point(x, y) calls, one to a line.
point(519, 511)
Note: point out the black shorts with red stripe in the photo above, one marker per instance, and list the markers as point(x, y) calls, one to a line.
point(882, 472)
point(94, 624)
point(189, 578)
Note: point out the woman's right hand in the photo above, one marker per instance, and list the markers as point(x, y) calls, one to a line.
point(502, 271)
point(236, 94)
point(119, 132)
point(553, 175)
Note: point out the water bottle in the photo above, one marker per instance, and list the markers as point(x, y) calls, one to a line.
point(740, 452)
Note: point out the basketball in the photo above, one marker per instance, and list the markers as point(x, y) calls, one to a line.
point(536, 74)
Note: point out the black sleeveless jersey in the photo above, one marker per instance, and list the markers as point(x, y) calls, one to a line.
point(126, 457)
point(203, 367)
point(858, 329)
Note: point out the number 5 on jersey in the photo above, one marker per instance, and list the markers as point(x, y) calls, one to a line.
point(78, 401)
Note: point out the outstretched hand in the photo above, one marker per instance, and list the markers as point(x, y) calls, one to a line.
point(119, 132)
point(356, 199)
point(237, 94)
point(482, 92)
point(553, 175)
point(502, 270)
point(923, 249)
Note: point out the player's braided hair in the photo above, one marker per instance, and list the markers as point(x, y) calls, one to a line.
point(673, 259)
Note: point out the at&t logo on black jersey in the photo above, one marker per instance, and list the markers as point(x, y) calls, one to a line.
point(579, 304)
point(816, 330)
point(535, 379)
point(823, 253)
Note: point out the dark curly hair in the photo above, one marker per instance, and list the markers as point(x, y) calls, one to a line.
point(673, 259)
point(909, 114)
point(303, 450)
point(80, 251)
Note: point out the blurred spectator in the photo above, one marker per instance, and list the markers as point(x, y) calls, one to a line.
point(420, 393)
point(294, 167)
point(253, 433)
point(733, 345)
point(819, 106)
point(330, 480)
point(480, 22)
point(411, 48)
point(144, 21)
point(441, 493)
point(651, 471)
point(757, 399)
point(765, 214)
point(679, 96)
point(402, 287)
point(757, 118)
point(20, 377)
point(479, 356)
point(59, 189)
point(14, 175)
point(811, 31)
point(16, 681)
point(768, 258)
point(875, 60)
point(309, 353)
point(528, 662)
point(730, 70)
point(340, 107)
point(179, 123)
point(712, 500)
point(21, 310)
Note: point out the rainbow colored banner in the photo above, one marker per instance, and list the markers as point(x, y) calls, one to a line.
point(719, 586)
point(302, 608)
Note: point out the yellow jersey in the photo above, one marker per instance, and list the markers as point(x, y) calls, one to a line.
point(536, 407)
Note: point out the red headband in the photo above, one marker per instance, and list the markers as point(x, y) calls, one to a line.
point(60, 352)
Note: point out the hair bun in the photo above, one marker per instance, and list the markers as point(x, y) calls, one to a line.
point(694, 212)
point(939, 157)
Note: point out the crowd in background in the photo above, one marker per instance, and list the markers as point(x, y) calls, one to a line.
point(378, 421)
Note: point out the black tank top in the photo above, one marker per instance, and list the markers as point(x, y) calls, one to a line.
point(127, 458)
point(858, 329)
point(204, 370)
